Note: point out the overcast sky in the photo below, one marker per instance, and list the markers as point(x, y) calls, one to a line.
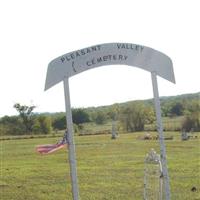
point(34, 32)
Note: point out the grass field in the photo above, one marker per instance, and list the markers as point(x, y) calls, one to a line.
point(107, 169)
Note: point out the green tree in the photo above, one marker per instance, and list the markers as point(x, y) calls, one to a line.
point(59, 122)
point(42, 124)
point(192, 116)
point(26, 114)
point(114, 111)
point(134, 117)
point(100, 117)
point(191, 122)
point(176, 109)
point(80, 116)
point(12, 125)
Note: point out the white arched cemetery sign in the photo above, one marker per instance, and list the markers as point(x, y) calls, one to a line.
point(78, 61)
point(70, 64)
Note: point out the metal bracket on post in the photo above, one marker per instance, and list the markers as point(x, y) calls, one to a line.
point(161, 136)
point(72, 154)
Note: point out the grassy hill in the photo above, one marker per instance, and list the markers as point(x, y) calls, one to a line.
point(174, 109)
point(163, 100)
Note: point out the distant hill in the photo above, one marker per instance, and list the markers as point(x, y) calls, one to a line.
point(175, 110)
point(182, 97)
point(163, 100)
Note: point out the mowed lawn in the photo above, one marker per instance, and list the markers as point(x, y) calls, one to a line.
point(107, 169)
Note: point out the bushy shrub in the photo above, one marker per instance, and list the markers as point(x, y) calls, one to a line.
point(59, 123)
point(191, 122)
point(42, 124)
point(12, 126)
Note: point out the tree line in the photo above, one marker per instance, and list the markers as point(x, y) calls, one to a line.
point(132, 116)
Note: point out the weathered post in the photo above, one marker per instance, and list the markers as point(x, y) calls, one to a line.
point(71, 145)
point(161, 136)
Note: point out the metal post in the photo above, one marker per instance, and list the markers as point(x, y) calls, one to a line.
point(72, 154)
point(161, 136)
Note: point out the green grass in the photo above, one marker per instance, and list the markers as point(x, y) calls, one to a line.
point(107, 169)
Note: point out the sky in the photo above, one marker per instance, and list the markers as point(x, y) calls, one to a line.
point(34, 32)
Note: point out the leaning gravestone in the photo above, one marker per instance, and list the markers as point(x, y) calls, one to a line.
point(184, 135)
point(114, 130)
